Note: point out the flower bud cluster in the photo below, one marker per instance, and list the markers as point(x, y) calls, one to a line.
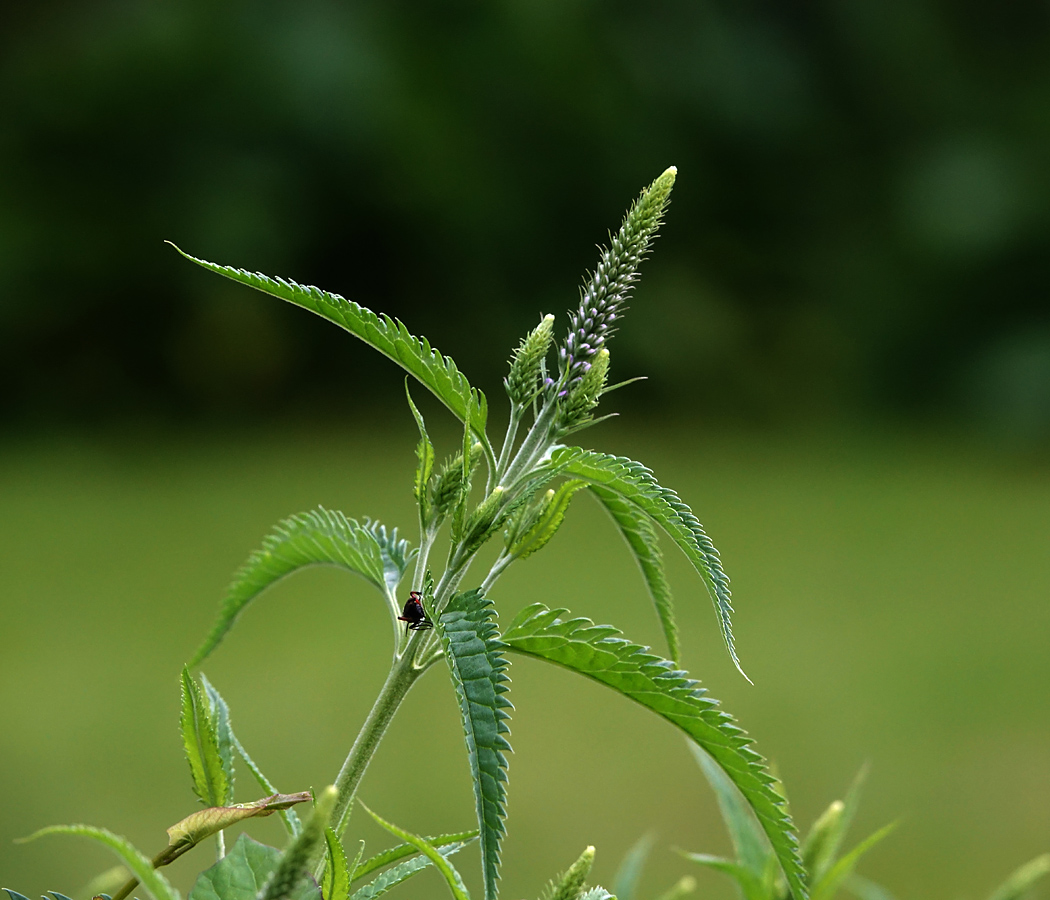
point(523, 381)
point(602, 298)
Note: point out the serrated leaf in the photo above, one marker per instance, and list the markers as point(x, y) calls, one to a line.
point(448, 872)
point(336, 882)
point(748, 838)
point(425, 468)
point(395, 553)
point(400, 851)
point(225, 732)
point(405, 870)
point(841, 870)
point(637, 529)
point(599, 652)
point(635, 483)
point(243, 872)
point(201, 744)
point(625, 884)
point(548, 521)
point(139, 865)
point(219, 713)
point(475, 659)
point(1022, 879)
point(434, 371)
point(320, 537)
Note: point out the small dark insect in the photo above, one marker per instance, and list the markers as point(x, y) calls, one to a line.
point(414, 613)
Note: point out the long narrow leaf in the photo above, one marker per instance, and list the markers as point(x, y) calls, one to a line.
point(336, 882)
point(750, 884)
point(400, 851)
point(404, 870)
point(212, 780)
point(1022, 879)
point(425, 455)
point(320, 537)
point(598, 652)
point(825, 889)
point(415, 355)
point(288, 816)
point(139, 865)
point(475, 659)
point(451, 876)
point(749, 841)
point(628, 876)
point(637, 529)
point(635, 483)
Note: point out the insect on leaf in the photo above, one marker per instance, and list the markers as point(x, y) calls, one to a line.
point(599, 652)
point(475, 659)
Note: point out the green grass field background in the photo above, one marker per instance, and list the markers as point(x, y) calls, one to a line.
point(893, 607)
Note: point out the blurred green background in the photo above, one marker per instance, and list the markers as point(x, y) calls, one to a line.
point(847, 338)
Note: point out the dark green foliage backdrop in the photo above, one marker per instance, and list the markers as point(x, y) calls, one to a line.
point(860, 223)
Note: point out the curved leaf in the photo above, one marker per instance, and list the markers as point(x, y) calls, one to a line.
point(843, 867)
point(393, 854)
point(1022, 879)
point(405, 870)
point(598, 652)
point(638, 531)
point(475, 659)
point(635, 483)
point(292, 870)
point(446, 868)
point(415, 355)
point(336, 882)
point(320, 537)
point(139, 865)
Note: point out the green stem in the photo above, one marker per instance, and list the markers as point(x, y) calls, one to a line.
point(403, 675)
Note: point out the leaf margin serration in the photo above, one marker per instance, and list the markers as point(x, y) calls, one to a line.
point(725, 741)
point(469, 633)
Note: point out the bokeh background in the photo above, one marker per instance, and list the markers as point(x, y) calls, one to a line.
point(847, 338)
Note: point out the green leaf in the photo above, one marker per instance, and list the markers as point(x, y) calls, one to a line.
point(320, 537)
point(827, 886)
point(821, 845)
point(139, 865)
point(400, 851)
point(293, 868)
point(597, 893)
point(14, 895)
point(867, 890)
point(451, 876)
point(219, 713)
point(1023, 879)
point(217, 703)
point(638, 531)
point(415, 355)
point(750, 884)
point(601, 654)
point(749, 840)
point(475, 659)
point(635, 483)
point(625, 884)
point(405, 870)
point(395, 553)
point(211, 781)
point(336, 882)
point(243, 872)
point(425, 455)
